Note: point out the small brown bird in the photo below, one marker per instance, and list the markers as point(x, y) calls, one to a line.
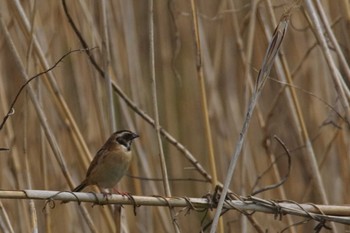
point(111, 162)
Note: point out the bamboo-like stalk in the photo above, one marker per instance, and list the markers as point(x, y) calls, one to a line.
point(200, 76)
point(336, 213)
point(204, 102)
point(163, 164)
point(334, 41)
point(327, 53)
point(107, 57)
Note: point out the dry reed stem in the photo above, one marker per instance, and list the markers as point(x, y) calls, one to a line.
point(230, 51)
point(335, 213)
point(52, 86)
point(163, 164)
point(263, 74)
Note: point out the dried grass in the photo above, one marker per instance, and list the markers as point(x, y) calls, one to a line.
point(76, 116)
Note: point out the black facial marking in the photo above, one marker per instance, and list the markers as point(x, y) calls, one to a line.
point(126, 138)
point(121, 141)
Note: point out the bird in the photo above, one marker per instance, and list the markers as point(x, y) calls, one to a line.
point(111, 162)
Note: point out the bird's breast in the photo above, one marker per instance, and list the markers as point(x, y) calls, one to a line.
point(111, 169)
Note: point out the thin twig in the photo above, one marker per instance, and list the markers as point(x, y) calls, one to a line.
point(283, 179)
point(314, 96)
point(11, 108)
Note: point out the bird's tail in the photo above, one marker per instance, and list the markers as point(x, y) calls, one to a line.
point(80, 187)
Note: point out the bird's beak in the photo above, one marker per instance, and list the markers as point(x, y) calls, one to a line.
point(134, 135)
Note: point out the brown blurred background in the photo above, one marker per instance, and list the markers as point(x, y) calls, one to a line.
point(234, 37)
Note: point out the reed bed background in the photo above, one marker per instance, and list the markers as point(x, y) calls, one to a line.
point(51, 149)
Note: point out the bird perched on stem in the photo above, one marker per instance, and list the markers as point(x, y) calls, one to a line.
point(111, 162)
